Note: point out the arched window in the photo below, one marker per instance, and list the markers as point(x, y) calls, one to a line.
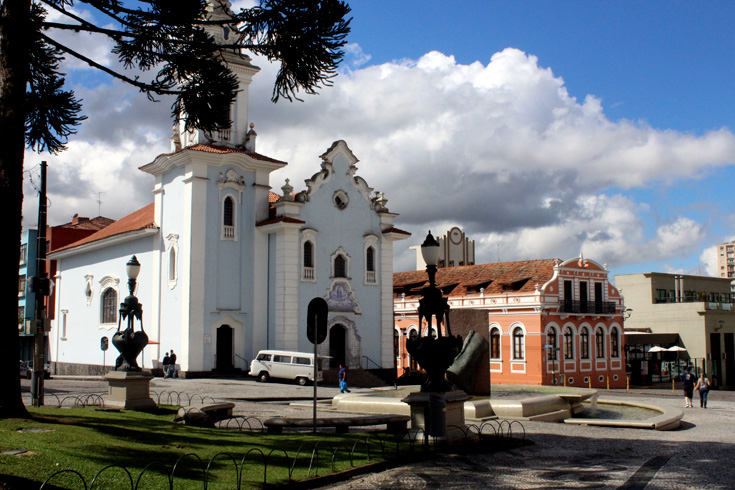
point(614, 344)
point(600, 343)
point(228, 214)
point(568, 343)
point(109, 306)
point(519, 344)
point(228, 219)
point(370, 273)
point(551, 342)
point(339, 266)
point(495, 343)
point(584, 343)
point(308, 254)
point(370, 259)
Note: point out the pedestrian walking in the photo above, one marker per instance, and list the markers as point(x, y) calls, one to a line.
point(687, 383)
point(166, 363)
point(343, 379)
point(172, 365)
point(703, 385)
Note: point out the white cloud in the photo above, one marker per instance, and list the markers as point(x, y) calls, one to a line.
point(502, 150)
point(708, 259)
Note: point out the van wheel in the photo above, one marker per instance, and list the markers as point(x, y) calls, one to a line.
point(301, 381)
point(263, 377)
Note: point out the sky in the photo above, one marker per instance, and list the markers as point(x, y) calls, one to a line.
point(543, 129)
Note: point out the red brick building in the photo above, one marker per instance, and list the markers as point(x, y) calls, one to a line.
point(548, 321)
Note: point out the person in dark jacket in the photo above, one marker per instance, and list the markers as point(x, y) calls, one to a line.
point(165, 363)
point(687, 383)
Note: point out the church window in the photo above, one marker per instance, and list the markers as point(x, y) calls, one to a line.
point(229, 231)
point(308, 255)
point(340, 269)
point(371, 260)
point(340, 199)
point(108, 313)
point(340, 263)
point(172, 264)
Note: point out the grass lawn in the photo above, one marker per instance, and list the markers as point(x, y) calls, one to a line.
point(119, 448)
point(87, 440)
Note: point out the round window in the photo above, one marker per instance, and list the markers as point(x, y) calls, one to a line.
point(340, 199)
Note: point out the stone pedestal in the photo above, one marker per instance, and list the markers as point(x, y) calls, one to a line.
point(129, 390)
point(439, 415)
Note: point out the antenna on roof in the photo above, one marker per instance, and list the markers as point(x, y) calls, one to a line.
point(498, 243)
point(99, 203)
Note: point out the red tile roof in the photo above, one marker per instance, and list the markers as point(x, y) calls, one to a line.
point(227, 149)
point(393, 229)
point(521, 276)
point(280, 219)
point(89, 224)
point(138, 220)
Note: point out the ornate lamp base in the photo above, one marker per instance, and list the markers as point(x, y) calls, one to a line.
point(130, 390)
point(439, 415)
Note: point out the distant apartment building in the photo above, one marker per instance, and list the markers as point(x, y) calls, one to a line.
point(693, 312)
point(455, 250)
point(726, 259)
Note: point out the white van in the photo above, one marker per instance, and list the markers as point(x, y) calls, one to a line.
point(285, 364)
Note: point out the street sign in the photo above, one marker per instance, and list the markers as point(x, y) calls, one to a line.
point(316, 319)
point(104, 343)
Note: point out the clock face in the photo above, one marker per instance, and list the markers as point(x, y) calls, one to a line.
point(455, 235)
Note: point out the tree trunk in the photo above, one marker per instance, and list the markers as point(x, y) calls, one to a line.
point(14, 66)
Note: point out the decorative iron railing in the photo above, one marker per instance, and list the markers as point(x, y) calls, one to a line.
point(599, 308)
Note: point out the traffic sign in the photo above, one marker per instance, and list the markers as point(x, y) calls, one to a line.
point(316, 319)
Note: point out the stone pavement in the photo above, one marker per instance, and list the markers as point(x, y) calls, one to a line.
point(700, 455)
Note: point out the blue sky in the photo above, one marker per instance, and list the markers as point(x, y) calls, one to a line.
point(541, 128)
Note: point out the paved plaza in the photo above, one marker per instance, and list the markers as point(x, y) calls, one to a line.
point(699, 455)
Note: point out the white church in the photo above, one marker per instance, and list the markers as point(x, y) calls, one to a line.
point(228, 267)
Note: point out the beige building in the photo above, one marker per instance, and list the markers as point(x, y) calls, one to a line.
point(693, 312)
point(455, 250)
point(726, 259)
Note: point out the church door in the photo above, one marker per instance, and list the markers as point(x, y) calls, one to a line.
point(337, 348)
point(224, 348)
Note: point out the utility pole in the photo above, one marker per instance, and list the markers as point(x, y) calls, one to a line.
point(40, 285)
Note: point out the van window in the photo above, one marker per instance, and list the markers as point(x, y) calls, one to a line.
point(264, 357)
point(285, 359)
point(302, 360)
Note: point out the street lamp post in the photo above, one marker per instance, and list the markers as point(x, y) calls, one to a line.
point(129, 342)
point(436, 407)
point(434, 353)
point(129, 384)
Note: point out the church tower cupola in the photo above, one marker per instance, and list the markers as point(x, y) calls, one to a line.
point(240, 64)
